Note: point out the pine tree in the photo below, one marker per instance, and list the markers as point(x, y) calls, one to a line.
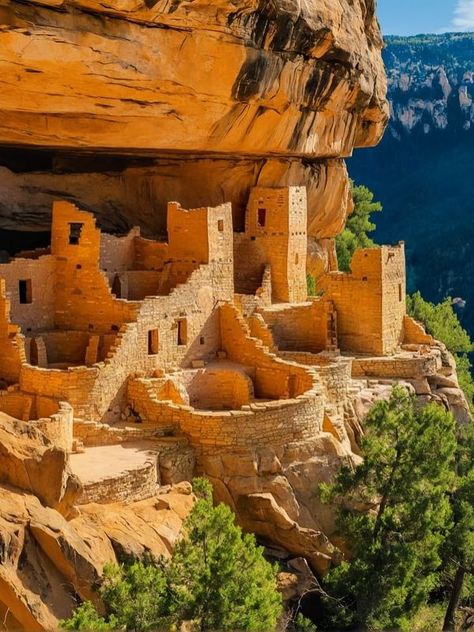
point(218, 575)
point(217, 578)
point(393, 514)
point(354, 236)
point(458, 548)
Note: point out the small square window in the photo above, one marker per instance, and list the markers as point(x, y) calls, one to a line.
point(220, 225)
point(24, 291)
point(153, 342)
point(75, 230)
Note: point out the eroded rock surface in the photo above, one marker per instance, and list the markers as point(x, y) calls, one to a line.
point(48, 561)
point(194, 101)
point(287, 77)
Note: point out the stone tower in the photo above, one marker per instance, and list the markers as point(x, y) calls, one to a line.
point(277, 221)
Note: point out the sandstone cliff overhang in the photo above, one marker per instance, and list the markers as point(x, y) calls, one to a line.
point(285, 78)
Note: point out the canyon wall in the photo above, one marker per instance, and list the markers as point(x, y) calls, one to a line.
point(121, 106)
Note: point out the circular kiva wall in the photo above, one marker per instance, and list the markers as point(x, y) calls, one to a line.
point(260, 424)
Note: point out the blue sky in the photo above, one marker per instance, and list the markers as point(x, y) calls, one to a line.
point(410, 17)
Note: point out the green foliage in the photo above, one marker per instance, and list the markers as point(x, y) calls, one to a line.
point(354, 236)
point(394, 512)
point(303, 624)
point(442, 322)
point(136, 595)
point(458, 547)
point(429, 618)
point(311, 285)
point(86, 618)
point(217, 578)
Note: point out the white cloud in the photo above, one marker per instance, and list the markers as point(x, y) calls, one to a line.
point(463, 19)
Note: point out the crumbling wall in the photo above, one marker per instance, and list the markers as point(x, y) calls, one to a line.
point(274, 378)
point(304, 327)
point(12, 343)
point(414, 333)
point(37, 278)
point(58, 428)
point(118, 253)
point(83, 300)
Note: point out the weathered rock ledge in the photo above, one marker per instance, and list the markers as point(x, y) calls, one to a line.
point(193, 101)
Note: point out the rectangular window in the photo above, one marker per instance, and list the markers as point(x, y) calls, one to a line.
point(262, 217)
point(153, 343)
point(220, 225)
point(182, 332)
point(75, 230)
point(400, 292)
point(24, 290)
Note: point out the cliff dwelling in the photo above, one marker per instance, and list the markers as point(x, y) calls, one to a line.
point(209, 334)
point(171, 171)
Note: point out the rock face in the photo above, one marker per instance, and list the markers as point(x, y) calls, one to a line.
point(288, 77)
point(430, 83)
point(46, 560)
point(195, 101)
point(30, 462)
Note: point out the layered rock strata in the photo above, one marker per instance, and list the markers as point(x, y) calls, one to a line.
point(212, 98)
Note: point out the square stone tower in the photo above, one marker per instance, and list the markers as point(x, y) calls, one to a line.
point(370, 300)
point(277, 220)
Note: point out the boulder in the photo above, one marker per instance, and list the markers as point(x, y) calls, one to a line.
point(30, 462)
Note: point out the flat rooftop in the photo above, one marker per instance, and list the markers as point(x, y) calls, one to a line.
point(111, 461)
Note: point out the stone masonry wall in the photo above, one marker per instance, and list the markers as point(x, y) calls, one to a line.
point(83, 300)
point(275, 235)
point(58, 428)
point(38, 312)
point(274, 378)
point(397, 367)
point(369, 301)
point(394, 297)
point(274, 423)
point(12, 343)
point(302, 327)
point(137, 484)
point(277, 220)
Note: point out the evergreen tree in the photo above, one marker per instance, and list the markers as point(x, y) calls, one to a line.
point(354, 236)
point(218, 575)
point(217, 578)
point(393, 514)
point(458, 548)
